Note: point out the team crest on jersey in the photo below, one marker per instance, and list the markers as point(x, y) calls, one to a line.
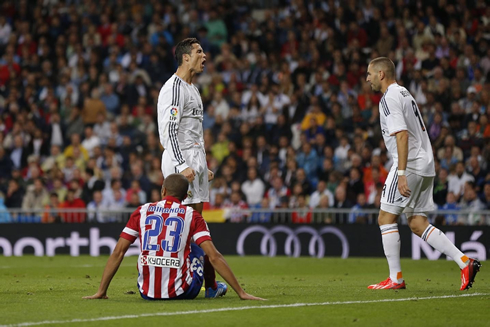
point(174, 112)
point(189, 193)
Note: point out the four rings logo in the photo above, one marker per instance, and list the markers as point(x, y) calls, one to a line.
point(316, 247)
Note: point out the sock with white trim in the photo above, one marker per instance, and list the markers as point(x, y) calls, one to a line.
point(391, 246)
point(439, 241)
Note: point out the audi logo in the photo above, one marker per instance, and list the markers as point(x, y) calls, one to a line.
point(316, 241)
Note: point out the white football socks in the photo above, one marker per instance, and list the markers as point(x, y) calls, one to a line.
point(391, 246)
point(439, 241)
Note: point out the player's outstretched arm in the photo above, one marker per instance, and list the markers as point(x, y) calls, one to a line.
point(219, 263)
point(111, 267)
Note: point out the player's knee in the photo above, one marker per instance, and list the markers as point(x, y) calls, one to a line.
point(417, 224)
point(385, 218)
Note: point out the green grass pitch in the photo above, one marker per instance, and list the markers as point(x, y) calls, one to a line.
point(37, 289)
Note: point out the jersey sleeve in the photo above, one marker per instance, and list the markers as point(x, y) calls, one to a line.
point(199, 229)
point(169, 107)
point(395, 118)
point(132, 229)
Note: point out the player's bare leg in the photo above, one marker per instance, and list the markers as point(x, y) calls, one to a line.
point(439, 241)
point(391, 246)
point(213, 288)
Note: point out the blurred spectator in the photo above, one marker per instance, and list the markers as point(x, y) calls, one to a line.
point(341, 202)
point(19, 153)
point(451, 204)
point(5, 216)
point(14, 195)
point(136, 189)
point(301, 179)
point(357, 217)
point(110, 100)
point(59, 188)
point(51, 210)
point(71, 202)
point(302, 213)
point(90, 141)
point(322, 215)
point(450, 141)
point(75, 143)
point(92, 107)
point(485, 198)
point(448, 160)
point(253, 188)
point(313, 119)
point(276, 192)
point(263, 216)
point(234, 208)
point(458, 179)
point(94, 215)
point(479, 175)
point(321, 191)
point(5, 166)
point(109, 194)
point(309, 161)
point(355, 186)
point(471, 204)
point(35, 198)
point(441, 186)
point(56, 158)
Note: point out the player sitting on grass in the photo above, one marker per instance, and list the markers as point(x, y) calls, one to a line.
point(170, 266)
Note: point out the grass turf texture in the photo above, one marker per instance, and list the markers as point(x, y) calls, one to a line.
point(35, 289)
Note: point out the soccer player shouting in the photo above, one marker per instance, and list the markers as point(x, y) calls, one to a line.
point(170, 265)
point(180, 116)
point(409, 186)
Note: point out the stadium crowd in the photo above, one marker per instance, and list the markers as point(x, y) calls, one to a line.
point(289, 120)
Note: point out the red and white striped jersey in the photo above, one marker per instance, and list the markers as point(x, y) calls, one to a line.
point(165, 229)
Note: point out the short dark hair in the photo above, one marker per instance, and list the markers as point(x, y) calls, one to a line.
point(184, 47)
point(384, 64)
point(176, 186)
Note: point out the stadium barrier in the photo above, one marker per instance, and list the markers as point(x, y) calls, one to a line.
point(316, 240)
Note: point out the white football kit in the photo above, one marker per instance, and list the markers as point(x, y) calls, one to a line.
point(399, 111)
point(180, 116)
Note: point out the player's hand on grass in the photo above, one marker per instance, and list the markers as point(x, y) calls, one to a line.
point(189, 173)
point(246, 296)
point(210, 175)
point(403, 186)
point(96, 296)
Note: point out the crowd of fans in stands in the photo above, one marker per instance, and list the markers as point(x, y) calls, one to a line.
point(289, 120)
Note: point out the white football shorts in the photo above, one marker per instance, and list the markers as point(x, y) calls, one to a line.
point(196, 159)
point(420, 201)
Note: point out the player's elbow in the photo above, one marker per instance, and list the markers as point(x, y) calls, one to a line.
point(118, 253)
point(402, 135)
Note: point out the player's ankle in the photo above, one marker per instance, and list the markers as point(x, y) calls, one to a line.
point(213, 285)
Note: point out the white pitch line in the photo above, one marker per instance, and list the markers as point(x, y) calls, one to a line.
point(292, 305)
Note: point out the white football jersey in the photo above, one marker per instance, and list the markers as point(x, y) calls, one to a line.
point(180, 116)
point(398, 111)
